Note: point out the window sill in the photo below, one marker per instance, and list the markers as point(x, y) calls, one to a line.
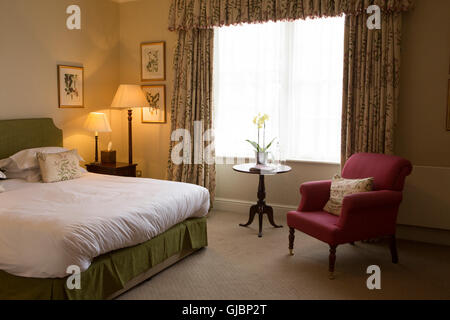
point(314, 162)
point(237, 160)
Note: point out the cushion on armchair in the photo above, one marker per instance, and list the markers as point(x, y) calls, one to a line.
point(341, 187)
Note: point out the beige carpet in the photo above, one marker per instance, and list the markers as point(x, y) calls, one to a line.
point(239, 265)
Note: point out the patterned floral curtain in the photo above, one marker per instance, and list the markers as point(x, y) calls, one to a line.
point(206, 14)
point(192, 102)
point(371, 85)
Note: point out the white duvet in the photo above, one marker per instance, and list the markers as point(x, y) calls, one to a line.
point(45, 228)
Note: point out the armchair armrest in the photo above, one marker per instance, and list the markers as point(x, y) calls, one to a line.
point(375, 210)
point(364, 200)
point(315, 195)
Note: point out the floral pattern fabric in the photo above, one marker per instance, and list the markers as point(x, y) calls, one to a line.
point(371, 85)
point(341, 187)
point(57, 167)
point(206, 14)
point(192, 101)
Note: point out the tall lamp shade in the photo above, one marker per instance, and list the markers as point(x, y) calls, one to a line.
point(129, 96)
point(97, 122)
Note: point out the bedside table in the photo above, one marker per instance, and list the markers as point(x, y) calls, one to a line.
point(114, 169)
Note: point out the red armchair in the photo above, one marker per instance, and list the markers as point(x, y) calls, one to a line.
point(364, 215)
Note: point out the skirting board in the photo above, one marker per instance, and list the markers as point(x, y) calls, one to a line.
point(413, 233)
point(422, 234)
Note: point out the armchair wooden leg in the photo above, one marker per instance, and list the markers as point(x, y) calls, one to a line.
point(393, 246)
point(291, 241)
point(332, 261)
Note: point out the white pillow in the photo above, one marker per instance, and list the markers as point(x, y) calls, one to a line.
point(26, 159)
point(4, 163)
point(11, 171)
point(2, 176)
point(30, 175)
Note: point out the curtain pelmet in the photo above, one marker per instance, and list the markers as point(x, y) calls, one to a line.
point(206, 14)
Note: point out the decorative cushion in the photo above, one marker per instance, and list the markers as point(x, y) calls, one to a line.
point(61, 166)
point(341, 187)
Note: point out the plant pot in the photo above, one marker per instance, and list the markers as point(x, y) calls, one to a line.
point(261, 157)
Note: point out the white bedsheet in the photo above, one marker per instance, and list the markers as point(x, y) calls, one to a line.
point(13, 184)
point(44, 228)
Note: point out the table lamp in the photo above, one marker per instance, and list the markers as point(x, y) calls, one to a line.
point(128, 97)
point(97, 122)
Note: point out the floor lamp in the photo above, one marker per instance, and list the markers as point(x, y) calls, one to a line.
point(129, 97)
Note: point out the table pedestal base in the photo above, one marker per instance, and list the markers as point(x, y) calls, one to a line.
point(261, 208)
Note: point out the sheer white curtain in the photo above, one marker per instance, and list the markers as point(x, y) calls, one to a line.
point(290, 70)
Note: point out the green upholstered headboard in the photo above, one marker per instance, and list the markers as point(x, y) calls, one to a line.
point(20, 134)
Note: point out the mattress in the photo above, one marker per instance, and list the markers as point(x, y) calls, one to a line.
point(46, 228)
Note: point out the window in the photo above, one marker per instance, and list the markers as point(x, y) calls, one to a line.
point(290, 70)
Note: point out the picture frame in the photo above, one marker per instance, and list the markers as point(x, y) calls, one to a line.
point(156, 111)
point(70, 86)
point(153, 61)
point(448, 106)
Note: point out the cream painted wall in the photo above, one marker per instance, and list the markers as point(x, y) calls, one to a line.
point(146, 21)
point(34, 39)
point(421, 135)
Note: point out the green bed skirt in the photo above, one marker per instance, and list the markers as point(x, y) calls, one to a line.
point(110, 272)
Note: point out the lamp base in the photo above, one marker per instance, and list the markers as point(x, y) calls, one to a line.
point(130, 136)
point(96, 147)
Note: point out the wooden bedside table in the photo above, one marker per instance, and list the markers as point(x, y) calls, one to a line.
point(114, 169)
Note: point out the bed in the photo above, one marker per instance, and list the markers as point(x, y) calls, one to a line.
point(118, 231)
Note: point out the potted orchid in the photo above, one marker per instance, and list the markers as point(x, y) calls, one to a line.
point(261, 150)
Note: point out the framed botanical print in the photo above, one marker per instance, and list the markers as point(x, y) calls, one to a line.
point(156, 110)
point(448, 106)
point(70, 87)
point(153, 64)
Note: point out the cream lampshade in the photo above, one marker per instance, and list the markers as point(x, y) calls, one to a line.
point(97, 122)
point(129, 96)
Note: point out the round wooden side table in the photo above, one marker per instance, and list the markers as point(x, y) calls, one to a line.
point(261, 207)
